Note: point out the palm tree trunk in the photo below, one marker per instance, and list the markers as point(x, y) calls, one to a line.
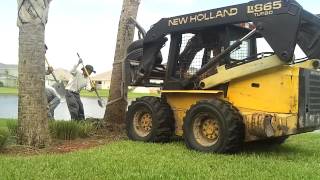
point(115, 112)
point(32, 106)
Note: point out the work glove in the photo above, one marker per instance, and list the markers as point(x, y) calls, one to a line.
point(93, 89)
point(49, 70)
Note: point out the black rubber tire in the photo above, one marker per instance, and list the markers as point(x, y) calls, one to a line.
point(135, 54)
point(232, 128)
point(162, 120)
point(135, 45)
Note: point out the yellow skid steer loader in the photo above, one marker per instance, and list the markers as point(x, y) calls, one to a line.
point(218, 89)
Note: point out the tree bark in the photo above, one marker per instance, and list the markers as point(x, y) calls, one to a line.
point(115, 112)
point(32, 105)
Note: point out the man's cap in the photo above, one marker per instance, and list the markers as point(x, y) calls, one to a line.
point(89, 68)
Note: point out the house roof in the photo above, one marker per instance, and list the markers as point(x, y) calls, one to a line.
point(5, 76)
point(106, 76)
point(8, 66)
point(62, 74)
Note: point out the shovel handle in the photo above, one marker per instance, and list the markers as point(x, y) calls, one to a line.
point(86, 71)
point(91, 83)
point(52, 73)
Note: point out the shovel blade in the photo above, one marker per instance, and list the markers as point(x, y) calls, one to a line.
point(101, 103)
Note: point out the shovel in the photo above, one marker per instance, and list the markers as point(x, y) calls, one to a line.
point(58, 86)
point(100, 100)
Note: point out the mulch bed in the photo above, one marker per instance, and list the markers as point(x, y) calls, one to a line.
point(103, 137)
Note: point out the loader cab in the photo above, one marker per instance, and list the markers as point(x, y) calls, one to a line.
point(189, 51)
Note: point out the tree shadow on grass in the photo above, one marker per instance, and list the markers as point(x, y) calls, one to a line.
point(283, 150)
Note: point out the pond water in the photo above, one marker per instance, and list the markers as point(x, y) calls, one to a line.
point(9, 108)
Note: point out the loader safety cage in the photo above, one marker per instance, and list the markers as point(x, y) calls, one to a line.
point(283, 23)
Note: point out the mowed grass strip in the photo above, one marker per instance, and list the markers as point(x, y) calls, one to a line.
point(105, 93)
point(8, 91)
point(298, 158)
point(3, 123)
point(84, 93)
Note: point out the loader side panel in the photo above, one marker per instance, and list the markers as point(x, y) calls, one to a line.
point(275, 90)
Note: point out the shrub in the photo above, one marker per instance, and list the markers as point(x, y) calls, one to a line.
point(12, 127)
point(4, 134)
point(66, 130)
point(85, 129)
point(69, 130)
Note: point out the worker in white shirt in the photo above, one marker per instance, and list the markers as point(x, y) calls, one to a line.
point(78, 82)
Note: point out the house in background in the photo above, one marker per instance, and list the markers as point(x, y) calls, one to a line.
point(102, 80)
point(9, 78)
point(145, 90)
point(61, 75)
point(8, 75)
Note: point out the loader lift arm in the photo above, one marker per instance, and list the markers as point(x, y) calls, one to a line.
point(283, 23)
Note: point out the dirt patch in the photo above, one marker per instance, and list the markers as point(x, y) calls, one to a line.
point(103, 137)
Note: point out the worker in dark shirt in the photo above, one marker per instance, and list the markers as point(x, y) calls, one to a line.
point(53, 101)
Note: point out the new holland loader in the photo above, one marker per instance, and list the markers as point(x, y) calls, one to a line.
point(218, 88)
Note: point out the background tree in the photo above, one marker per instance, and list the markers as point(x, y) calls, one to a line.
point(32, 105)
point(115, 111)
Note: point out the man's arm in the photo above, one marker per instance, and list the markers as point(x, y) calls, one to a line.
point(56, 100)
point(86, 85)
point(54, 103)
point(74, 70)
point(49, 70)
point(90, 87)
point(75, 67)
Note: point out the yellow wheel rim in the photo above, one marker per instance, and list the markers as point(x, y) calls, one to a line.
point(142, 123)
point(206, 130)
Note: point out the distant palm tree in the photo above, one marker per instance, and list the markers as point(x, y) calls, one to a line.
point(115, 112)
point(32, 108)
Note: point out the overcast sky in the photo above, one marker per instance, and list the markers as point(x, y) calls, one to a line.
point(90, 27)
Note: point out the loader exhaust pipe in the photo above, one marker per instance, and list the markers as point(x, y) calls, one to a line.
point(141, 32)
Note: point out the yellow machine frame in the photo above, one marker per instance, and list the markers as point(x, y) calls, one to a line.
point(268, 101)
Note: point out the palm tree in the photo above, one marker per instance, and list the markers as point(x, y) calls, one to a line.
point(32, 105)
point(115, 111)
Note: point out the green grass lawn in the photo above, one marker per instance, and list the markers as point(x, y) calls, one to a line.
point(3, 123)
point(8, 91)
point(84, 93)
point(102, 93)
point(298, 158)
point(105, 93)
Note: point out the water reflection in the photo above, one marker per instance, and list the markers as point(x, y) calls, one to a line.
point(9, 108)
